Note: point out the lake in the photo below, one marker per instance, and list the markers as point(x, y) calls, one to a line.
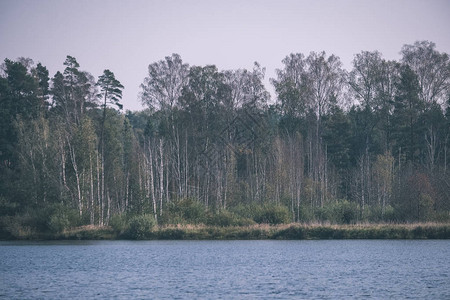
point(225, 269)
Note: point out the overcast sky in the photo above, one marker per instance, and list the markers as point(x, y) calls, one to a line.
point(126, 36)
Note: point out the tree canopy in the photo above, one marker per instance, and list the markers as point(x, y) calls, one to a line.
point(371, 142)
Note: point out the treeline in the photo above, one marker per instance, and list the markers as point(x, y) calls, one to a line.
point(369, 144)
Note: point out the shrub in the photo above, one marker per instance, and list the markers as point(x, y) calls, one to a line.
point(272, 214)
point(192, 211)
point(118, 223)
point(389, 214)
point(244, 211)
point(58, 222)
point(291, 233)
point(140, 226)
point(345, 212)
point(263, 214)
point(60, 218)
point(7, 208)
point(185, 211)
point(171, 234)
point(415, 201)
point(13, 228)
point(442, 216)
point(375, 214)
point(225, 218)
point(323, 214)
point(305, 213)
point(341, 212)
point(322, 232)
point(50, 218)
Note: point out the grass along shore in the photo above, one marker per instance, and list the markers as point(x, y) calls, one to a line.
point(292, 231)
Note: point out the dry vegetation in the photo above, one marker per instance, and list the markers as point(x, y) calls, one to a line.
point(293, 231)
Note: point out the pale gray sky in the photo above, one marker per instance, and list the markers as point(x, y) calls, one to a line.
point(126, 36)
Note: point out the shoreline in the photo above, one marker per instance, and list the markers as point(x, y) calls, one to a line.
point(293, 231)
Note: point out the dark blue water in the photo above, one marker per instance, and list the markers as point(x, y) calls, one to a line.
point(225, 270)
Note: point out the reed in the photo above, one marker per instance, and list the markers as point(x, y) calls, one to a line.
point(89, 232)
point(366, 231)
point(294, 231)
point(306, 231)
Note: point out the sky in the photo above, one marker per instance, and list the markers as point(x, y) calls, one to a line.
point(126, 36)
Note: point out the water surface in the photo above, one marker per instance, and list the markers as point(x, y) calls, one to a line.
point(225, 269)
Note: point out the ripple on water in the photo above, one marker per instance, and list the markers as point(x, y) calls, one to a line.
point(225, 269)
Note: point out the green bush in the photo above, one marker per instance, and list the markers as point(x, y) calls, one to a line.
point(389, 214)
point(244, 211)
point(58, 222)
point(50, 218)
point(340, 212)
point(375, 214)
point(272, 214)
point(118, 223)
point(322, 232)
point(7, 208)
point(425, 207)
point(171, 234)
point(12, 227)
point(291, 233)
point(60, 218)
point(305, 213)
point(347, 212)
point(185, 211)
point(263, 214)
point(140, 227)
point(323, 214)
point(442, 216)
point(225, 218)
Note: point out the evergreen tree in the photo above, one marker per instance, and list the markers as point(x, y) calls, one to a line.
point(407, 109)
point(110, 93)
point(19, 101)
point(73, 92)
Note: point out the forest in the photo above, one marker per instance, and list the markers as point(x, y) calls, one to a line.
point(366, 145)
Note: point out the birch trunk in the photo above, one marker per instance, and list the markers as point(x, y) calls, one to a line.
point(91, 197)
point(151, 179)
point(161, 176)
point(77, 176)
